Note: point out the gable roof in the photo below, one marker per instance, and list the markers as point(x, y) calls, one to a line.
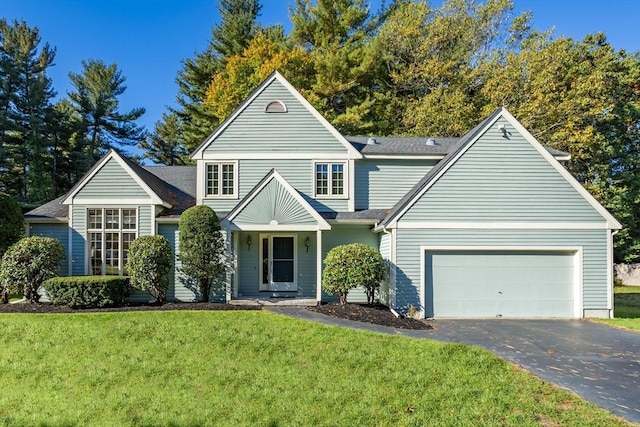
point(272, 176)
point(353, 153)
point(463, 145)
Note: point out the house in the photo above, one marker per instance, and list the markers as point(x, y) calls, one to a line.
point(487, 225)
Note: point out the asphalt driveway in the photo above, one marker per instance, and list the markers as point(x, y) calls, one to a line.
point(598, 362)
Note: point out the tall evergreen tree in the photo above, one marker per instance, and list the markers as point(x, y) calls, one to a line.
point(230, 37)
point(95, 100)
point(163, 145)
point(25, 99)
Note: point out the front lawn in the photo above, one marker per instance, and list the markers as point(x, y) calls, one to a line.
point(258, 368)
point(626, 303)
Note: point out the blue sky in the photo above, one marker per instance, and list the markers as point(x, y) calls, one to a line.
point(149, 38)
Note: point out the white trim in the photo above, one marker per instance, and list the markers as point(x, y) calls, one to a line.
point(392, 273)
point(322, 224)
point(154, 197)
point(228, 285)
point(610, 305)
point(200, 183)
point(319, 265)
point(577, 252)
point(104, 230)
point(220, 196)
point(346, 180)
point(236, 246)
point(167, 220)
point(113, 202)
point(270, 155)
point(502, 225)
point(268, 227)
point(56, 220)
point(611, 221)
point(70, 240)
point(352, 152)
point(269, 237)
point(351, 202)
point(275, 101)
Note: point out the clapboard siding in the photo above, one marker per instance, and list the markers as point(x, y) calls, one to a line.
point(180, 289)
point(593, 242)
point(112, 182)
point(298, 173)
point(296, 131)
point(146, 226)
point(502, 179)
point(380, 183)
point(78, 252)
point(59, 232)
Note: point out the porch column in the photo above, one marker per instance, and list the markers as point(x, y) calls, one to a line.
point(319, 265)
point(227, 239)
point(234, 264)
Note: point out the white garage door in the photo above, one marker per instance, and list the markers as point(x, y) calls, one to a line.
point(499, 284)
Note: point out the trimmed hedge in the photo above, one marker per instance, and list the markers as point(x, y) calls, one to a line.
point(88, 291)
point(149, 265)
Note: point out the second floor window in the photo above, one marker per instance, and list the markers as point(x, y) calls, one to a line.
point(220, 180)
point(329, 179)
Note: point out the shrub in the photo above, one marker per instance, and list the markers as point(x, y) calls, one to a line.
point(149, 265)
point(201, 247)
point(88, 291)
point(349, 266)
point(11, 222)
point(28, 263)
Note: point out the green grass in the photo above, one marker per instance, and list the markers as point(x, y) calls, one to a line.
point(258, 368)
point(626, 303)
point(15, 297)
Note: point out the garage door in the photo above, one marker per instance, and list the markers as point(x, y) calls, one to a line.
point(499, 284)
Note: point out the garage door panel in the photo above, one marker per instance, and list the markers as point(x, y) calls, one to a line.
point(499, 283)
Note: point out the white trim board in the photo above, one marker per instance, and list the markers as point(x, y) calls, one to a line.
point(409, 225)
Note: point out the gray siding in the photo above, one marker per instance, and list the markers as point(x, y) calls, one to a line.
point(255, 131)
point(342, 235)
point(274, 203)
point(298, 173)
point(112, 182)
point(408, 255)
point(501, 179)
point(146, 221)
point(79, 218)
point(180, 288)
point(57, 231)
point(380, 183)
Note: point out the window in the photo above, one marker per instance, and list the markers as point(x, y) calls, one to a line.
point(109, 233)
point(220, 180)
point(275, 107)
point(329, 178)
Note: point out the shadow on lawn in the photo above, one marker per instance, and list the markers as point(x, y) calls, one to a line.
point(627, 302)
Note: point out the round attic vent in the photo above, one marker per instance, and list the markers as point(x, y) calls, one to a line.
point(431, 142)
point(371, 141)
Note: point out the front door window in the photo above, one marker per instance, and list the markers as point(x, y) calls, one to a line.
point(278, 263)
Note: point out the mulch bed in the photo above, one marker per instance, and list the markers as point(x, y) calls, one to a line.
point(377, 314)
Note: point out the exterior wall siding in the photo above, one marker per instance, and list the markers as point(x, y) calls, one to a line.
point(78, 253)
point(593, 242)
point(296, 131)
point(380, 183)
point(385, 251)
point(57, 231)
point(112, 182)
point(342, 235)
point(502, 179)
point(299, 173)
point(180, 287)
point(146, 225)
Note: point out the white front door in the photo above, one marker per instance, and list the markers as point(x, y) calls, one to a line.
point(278, 263)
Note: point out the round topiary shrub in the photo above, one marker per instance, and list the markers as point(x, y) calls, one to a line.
point(11, 222)
point(28, 263)
point(349, 266)
point(149, 265)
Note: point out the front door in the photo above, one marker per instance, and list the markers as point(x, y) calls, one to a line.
point(278, 263)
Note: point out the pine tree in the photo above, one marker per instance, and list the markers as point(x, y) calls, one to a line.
point(163, 145)
point(95, 100)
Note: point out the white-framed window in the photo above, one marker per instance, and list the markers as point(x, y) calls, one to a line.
point(110, 231)
point(221, 180)
point(330, 179)
point(275, 107)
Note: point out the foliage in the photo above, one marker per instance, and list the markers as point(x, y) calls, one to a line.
point(243, 73)
point(164, 146)
point(95, 100)
point(145, 368)
point(88, 291)
point(25, 105)
point(626, 305)
point(149, 264)
point(28, 263)
point(352, 265)
point(201, 248)
point(11, 222)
